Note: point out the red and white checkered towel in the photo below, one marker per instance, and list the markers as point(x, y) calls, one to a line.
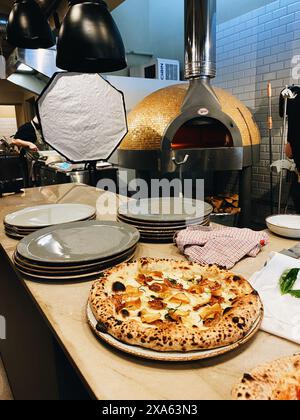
point(220, 245)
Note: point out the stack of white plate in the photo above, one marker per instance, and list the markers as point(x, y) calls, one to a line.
point(26, 221)
point(159, 219)
point(75, 250)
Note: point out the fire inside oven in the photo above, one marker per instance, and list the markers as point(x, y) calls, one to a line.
point(202, 133)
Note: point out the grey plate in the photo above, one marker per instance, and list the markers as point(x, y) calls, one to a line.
point(70, 267)
point(49, 215)
point(157, 241)
point(77, 277)
point(14, 236)
point(70, 271)
point(78, 242)
point(158, 227)
point(21, 233)
point(161, 224)
point(165, 210)
point(158, 238)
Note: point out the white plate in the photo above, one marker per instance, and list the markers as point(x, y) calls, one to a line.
point(168, 356)
point(28, 230)
point(287, 225)
point(49, 215)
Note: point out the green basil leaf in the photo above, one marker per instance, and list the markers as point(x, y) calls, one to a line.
point(288, 279)
point(295, 293)
point(174, 282)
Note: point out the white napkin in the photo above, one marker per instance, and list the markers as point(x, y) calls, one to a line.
point(282, 313)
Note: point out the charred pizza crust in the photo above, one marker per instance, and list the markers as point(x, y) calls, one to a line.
point(137, 316)
point(279, 380)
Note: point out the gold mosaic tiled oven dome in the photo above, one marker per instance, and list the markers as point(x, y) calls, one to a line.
point(149, 120)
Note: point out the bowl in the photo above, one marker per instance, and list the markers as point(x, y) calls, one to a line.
point(286, 225)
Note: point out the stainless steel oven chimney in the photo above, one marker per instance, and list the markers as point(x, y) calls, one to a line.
point(200, 39)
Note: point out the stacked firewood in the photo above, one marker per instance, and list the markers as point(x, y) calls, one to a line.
point(225, 203)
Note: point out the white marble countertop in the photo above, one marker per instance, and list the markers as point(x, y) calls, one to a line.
point(113, 375)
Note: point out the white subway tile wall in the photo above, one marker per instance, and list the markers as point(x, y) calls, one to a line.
point(252, 50)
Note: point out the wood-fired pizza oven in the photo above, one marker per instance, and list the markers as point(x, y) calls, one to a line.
point(210, 125)
point(207, 128)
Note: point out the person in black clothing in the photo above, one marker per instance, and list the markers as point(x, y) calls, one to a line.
point(28, 136)
point(293, 146)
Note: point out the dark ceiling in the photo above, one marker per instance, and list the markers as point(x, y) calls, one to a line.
point(6, 6)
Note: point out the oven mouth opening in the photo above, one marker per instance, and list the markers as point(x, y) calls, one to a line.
point(202, 133)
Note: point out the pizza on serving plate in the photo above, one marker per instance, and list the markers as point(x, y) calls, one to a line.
point(279, 380)
point(167, 305)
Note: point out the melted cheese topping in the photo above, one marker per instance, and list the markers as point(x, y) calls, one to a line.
point(179, 304)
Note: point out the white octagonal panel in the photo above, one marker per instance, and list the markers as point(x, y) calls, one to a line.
point(82, 116)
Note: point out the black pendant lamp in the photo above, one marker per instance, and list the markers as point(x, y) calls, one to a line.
point(28, 27)
point(89, 40)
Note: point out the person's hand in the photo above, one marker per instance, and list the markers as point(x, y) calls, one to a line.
point(32, 147)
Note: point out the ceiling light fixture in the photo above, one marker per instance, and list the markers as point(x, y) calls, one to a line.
point(89, 40)
point(28, 27)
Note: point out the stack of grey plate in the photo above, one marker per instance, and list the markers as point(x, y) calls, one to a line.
point(75, 251)
point(158, 219)
point(19, 224)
